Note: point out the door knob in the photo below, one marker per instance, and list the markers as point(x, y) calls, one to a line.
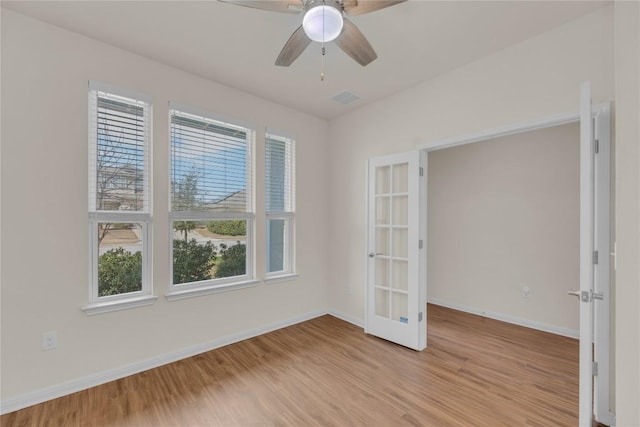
point(574, 293)
point(586, 296)
point(582, 295)
point(373, 254)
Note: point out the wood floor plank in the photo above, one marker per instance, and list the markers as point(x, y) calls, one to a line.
point(325, 372)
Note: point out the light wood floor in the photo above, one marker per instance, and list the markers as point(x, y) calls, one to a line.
point(475, 372)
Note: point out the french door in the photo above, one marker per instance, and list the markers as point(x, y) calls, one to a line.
point(396, 292)
point(602, 267)
point(594, 293)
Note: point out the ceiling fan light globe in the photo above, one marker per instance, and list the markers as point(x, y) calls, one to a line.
point(322, 23)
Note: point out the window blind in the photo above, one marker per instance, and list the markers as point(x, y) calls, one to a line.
point(279, 174)
point(120, 129)
point(210, 165)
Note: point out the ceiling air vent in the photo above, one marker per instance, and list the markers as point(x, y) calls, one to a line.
point(345, 97)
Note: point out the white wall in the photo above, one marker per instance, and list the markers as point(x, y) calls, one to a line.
point(534, 79)
point(627, 182)
point(44, 213)
point(503, 216)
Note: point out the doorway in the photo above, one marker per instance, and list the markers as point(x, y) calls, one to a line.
point(595, 246)
point(503, 226)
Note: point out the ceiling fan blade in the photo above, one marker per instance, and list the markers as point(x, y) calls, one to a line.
point(360, 7)
point(296, 44)
point(283, 6)
point(355, 44)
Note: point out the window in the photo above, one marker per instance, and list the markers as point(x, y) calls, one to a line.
point(211, 202)
point(280, 204)
point(119, 197)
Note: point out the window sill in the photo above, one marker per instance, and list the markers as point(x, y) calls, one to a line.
point(120, 304)
point(280, 278)
point(196, 292)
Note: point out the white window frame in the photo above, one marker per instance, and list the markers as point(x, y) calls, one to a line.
point(204, 287)
point(289, 253)
point(97, 304)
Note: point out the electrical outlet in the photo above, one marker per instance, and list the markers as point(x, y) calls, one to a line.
point(526, 291)
point(49, 340)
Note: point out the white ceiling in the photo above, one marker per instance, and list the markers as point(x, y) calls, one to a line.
point(237, 46)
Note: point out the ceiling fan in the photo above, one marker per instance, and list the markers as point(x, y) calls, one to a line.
point(323, 21)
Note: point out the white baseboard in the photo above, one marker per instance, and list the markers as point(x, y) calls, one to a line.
point(346, 317)
point(73, 386)
point(571, 333)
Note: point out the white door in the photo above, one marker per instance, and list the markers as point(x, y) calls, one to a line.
point(589, 256)
point(396, 293)
point(601, 280)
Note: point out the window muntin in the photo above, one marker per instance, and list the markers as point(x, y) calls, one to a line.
point(119, 195)
point(279, 204)
point(211, 201)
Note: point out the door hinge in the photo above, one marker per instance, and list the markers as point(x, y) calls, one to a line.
point(420, 317)
point(595, 257)
point(596, 146)
point(421, 171)
point(594, 368)
point(420, 244)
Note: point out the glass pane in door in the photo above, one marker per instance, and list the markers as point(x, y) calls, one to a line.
point(382, 241)
point(400, 275)
point(382, 180)
point(400, 246)
point(382, 272)
point(382, 303)
point(400, 210)
point(399, 307)
point(382, 210)
point(400, 178)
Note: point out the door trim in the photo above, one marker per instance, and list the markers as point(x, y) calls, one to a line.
point(520, 127)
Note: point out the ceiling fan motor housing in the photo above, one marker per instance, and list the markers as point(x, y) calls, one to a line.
point(323, 20)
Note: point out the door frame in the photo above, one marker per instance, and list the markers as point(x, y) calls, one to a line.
point(601, 114)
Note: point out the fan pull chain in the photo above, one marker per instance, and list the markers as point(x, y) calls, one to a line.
point(322, 71)
point(323, 51)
